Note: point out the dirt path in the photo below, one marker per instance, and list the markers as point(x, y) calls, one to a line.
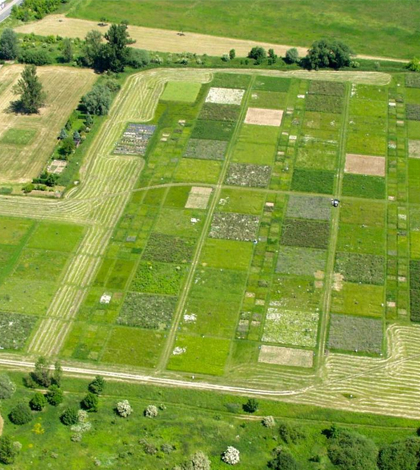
point(1, 425)
point(161, 40)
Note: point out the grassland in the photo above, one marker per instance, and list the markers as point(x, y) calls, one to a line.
point(26, 142)
point(376, 28)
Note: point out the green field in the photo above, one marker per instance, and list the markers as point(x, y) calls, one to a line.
point(387, 28)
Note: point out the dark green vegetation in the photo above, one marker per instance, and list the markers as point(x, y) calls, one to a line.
point(30, 92)
point(388, 29)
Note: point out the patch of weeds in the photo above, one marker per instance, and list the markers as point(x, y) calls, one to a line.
point(412, 112)
point(169, 249)
point(309, 207)
point(356, 267)
point(350, 333)
point(372, 187)
point(313, 181)
point(158, 278)
point(305, 233)
point(206, 149)
point(219, 112)
point(15, 330)
point(324, 103)
point(412, 80)
point(147, 311)
point(234, 226)
point(300, 261)
point(319, 87)
point(213, 130)
point(231, 80)
point(240, 174)
point(272, 84)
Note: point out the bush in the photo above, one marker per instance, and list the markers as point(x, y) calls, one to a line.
point(90, 402)
point(138, 58)
point(35, 57)
point(402, 455)
point(70, 417)
point(97, 101)
point(151, 411)
point(231, 456)
point(7, 387)
point(292, 56)
point(328, 53)
point(124, 409)
point(257, 53)
point(54, 395)
point(97, 385)
point(8, 450)
point(251, 406)
point(283, 461)
point(414, 65)
point(38, 402)
point(268, 422)
point(290, 434)
point(20, 414)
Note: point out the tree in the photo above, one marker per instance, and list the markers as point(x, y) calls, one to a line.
point(350, 450)
point(38, 402)
point(402, 455)
point(283, 461)
point(414, 65)
point(7, 450)
point(124, 409)
point(328, 53)
point(20, 414)
point(257, 53)
point(91, 48)
point(232, 54)
point(290, 434)
point(67, 146)
point(292, 56)
point(89, 120)
point(231, 456)
point(63, 134)
point(54, 395)
point(138, 58)
point(97, 101)
point(57, 374)
point(251, 406)
point(114, 54)
point(199, 461)
point(30, 89)
point(90, 402)
point(67, 50)
point(70, 416)
point(97, 385)
point(9, 45)
point(76, 136)
point(7, 387)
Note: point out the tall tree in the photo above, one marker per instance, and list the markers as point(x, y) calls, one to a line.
point(67, 50)
point(114, 55)
point(9, 45)
point(92, 47)
point(328, 53)
point(30, 89)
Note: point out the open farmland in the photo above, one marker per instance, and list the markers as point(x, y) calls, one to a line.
point(26, 142)
point(220, 266)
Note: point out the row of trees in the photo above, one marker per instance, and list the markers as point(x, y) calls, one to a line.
point(35, 9)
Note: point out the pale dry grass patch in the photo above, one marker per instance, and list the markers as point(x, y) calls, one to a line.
point(285, 356)
point(264, 117)
point(198, 198)
point(365, 165)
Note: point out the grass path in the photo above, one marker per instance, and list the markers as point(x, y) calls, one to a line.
point(162, 40)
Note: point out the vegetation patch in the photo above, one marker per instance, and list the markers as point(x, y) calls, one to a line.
point(324, 103)
point(241, 200)
point(365, 165)
point(228, 254)
point(225, 96)
point(18, 136)
point(240, 174)
point(56, 237)
point(169, 249)
point(272, 84)
point(355, 267)
point(147, 311)
point(231, 80)
point(135, 139)
point(412, 112)
point(361, 239)
point(294, 327)
point(186, 92)
point(234, 226)
point(300, 261)
point(281, 356)
point(309, 207)
point(219, 112)
point(305, 233)
point(213, 130)
point(319, 87)
point(357, 334)
point(15, 330)
point(158, 278)
point(359, 299)
point(371, 187)
point(412, 80)
point(198, 171)
point(313, 181)
point(206, 149)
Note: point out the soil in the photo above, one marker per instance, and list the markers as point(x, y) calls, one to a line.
point(264, 117)
point(365, 165)
point(285, 356)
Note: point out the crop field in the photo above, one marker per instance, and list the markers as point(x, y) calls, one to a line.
point(26, 142)
point(218, 256)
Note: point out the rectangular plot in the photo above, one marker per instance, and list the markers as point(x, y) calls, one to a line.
point(367, 144)
point(169, 249)
point(361, 239)
point(259, 154)
point(414, 148)
point(356, 334)
point(286, 356)
point(317, 154)
point(206, 149)
point(231, 80)
point(354, 267)
point(369, 213)
point(219, 112)
point(227, 254)
point(272, 84)
point(198, 171)
point(186, 92)
point(268, 99)
point(15, 329)
point(213, 130)
point(313, 181)
point(412, 112)
point(309, 207)
point(365, 165)
point(158, 278)
point(198, 198)
point(248, 175)
point(359, 299)
point(301, 261)
point(242, 201)
point(233, 226)
point(40, 265)
point(13, 230)
point(322, 121)
point(305, 233)
point(226, 285)
point(324, 103)
point(320, 87)
point(225, 96)
point(371, 187)
point(56, 237)
point(264, 117)
point(135, 139)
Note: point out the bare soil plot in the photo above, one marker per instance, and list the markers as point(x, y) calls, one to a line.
point(414, 148)
point(286, 356)
point(57, 167)
point(264, 117)
point(365, 165)
point(64, 87)
point(198, 198)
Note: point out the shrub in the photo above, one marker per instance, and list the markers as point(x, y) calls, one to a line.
point(124, 409)
point(231, 456)
point(414, 65)
point(38, 402)
point(97, 101)
point(90, 402)
point(328, 53)
point(70, 416)
point(151, 411)
point(35, 57)
point(283, 461)
point(290, 434)
point(8, 451)
point(20, 414)
point(292, 56)
point(7, 387)
point(97, 385)
point(200, 461)
point(268, 422)
point(257, 53)
point(138, 58)
point(251, 406)
point(232, 54)
point(402, 455)
point(54, 395)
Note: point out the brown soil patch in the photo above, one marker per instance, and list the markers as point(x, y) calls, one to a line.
point(338, 281)
point(365, 165)
point(198, 198)
point(319, 274)
point(264, 117)
point(286, 356)
point(414, 148)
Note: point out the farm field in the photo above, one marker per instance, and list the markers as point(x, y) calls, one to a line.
point(26, 142)
point(218, 257)
point(386, 29)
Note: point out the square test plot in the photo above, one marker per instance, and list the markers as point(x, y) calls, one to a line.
point(186, 92)
point(365, 165)
point(286, 356)
point(264, 117)
point(198, 198)
point(225, 96)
